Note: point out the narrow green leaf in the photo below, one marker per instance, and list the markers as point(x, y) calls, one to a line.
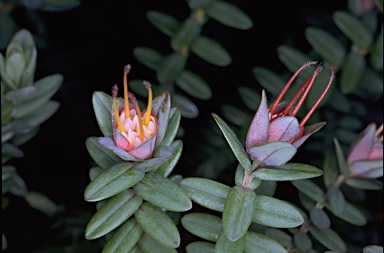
point(289, 171)
point(376, 57)
point(19, 96)
point(149, 57)
point(158, 225)
point(302, 241)
point(148, 245)
point(310, 189)
point(353, 29)
point(194, 85)
point(318, 88)
point(329, 238)
point(125, 237)
point(276, 213)
point(238, 212)
point(159, 156)
point(235, 115)
point(259, 243)
point(187, 108)
point(205, 226)
point(330, 169)
point(173, 126)
point(269, 80)
point(170, 67)
point(206, 192)
point(343, 168)
point(102, 105)
point(279, 236)
point(41, 202)
point(250, 97)
point(165, 23)
point(41, 114)
point(266, 188)
point(164, 193)
point(199, 247)
point(113, 181)
point(166, 168)
point(353, 215)
point(336, 200)
point(102, 156)
point(365, 184)
point(161, 107)
point(211, 51)
point(94, 172)
point(352, 72)
point(112, 214)
point(185, 33)
point(319, 218)
point(228, 15)
point(224, 245)
point(326, 45)
point(293, 59)
point(234, 143)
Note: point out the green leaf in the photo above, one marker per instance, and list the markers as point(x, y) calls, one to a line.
point(258, 243)
point(353, 215)
point(302, 241)
point(112, 214)
point(224, 245)
point(310, 189)
point(185, 33)
point(268, 80)
point(149, 57)
point(329, 238)
point(353, 29)
point(159, 156)
point(206, 226)
point(373, 249)
point(158, 225)
point(238, 211)
point(279, 236)
point(343, 168)
point(20, 95)
point(113, 181)
point(206, 192)
point(41, 202)
point(336, 200)
point(235, 115)
point(376, 57)
point(330, 169)
point(352, 72)
point(164, 193)
point(102, 156)
point(94, 172)
point(194, 85)
point(326, 45)
point(266, 188)
point(319, 218)
point(173, 127)
point(170, 67)
point(14, 69)
point(289, 171)
point(237, 148)
point(125, 237)
point(211, 51)
point(187, 108)
point(228, 15)
point(102, 105)
point(199, 247)
point(148, 245)
point(59, 5)
point(365, 184)
point(250, 97)
point(161, 107)
point(293, 59)
point(41, 114)
point(165, 23)
point(339, 101)
point(166, 168)
point(318, 89)
point(276, 213)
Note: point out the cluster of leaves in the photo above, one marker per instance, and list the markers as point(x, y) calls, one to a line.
point(186, 38)
point(8, 26)
point(357, 55)
point(137, 201)
point(25, 105)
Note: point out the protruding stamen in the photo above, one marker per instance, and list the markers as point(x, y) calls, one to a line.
point(149, 108)
point(138, 113)
point(306, 118)
point(308, 87)
point(286, 87)
point(127, 68)
point(115, 111)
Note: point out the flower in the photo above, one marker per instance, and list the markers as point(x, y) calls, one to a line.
point(134, 131)
point(366, 156)
point(279, 124)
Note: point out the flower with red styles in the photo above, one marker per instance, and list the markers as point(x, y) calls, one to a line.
point(365, 160)
point(279, 123)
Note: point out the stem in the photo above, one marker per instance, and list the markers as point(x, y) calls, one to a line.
point(341, 179)
point(247, 180)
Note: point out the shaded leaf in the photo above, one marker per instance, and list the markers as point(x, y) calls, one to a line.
point(310, 189)
point(289, 171)
point(319, 218)
point(205, 226)
point(198, 247)
point(194, 85)
point(187, 108)
point(149, 57)
point(224, 245)
point(269, 80)
point(329, 238)
point(165, 23)
point(352, 72)
point(259, 243)
point(102, 156)
point(210, 51)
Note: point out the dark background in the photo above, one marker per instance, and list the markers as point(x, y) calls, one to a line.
point(89, 45)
